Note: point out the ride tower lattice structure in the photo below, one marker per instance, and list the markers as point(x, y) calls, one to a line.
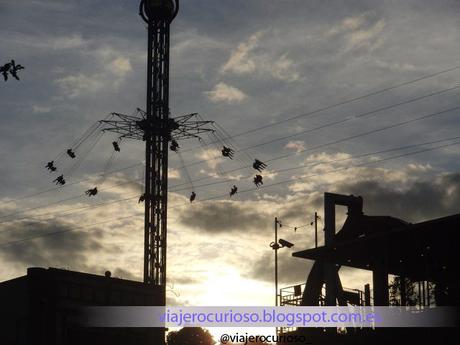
point(157, 129)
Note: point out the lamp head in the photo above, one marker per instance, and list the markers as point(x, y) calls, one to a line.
point(285, 243)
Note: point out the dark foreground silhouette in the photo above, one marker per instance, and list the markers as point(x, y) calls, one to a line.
point(10, 68)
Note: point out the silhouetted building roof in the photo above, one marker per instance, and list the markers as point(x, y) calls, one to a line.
point(422, 251)
point(40, 307)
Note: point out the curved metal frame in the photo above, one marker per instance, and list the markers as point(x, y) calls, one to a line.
point(143, 12)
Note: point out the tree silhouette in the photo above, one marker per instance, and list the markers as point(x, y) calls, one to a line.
point(411, 294)
point(395, 292)
point(190, 336)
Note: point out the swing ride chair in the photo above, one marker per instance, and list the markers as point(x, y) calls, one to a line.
point(12, 69)
point(138, 126)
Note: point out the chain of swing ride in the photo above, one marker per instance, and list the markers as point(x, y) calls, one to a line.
point(220, 139)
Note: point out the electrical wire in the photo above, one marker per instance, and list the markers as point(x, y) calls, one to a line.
point(295, 228)
point(184, 169)
point(368, 154)
point(323, 173)
point(313, 164)
point(268, 126)
point(345, 102)
point(64, 200)
point(91, 130)
point(291, 180)
point(337, 122)
point(72, 183)
point(232, 180)
point(355, 136)
point(85, 135)
point(59, 232)
point(82, 156)
point(253, 189)
point(70, 210)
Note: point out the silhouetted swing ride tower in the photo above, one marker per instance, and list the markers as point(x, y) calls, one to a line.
point(158, 15)
point(157, 129)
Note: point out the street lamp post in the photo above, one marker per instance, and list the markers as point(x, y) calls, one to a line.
point(275, 247)
point(277, 244)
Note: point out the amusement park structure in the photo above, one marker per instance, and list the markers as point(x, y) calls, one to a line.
point(160, 132)
point(42, 303)
point(422, 256)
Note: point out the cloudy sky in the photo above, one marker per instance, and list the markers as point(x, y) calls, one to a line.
point(261, 69)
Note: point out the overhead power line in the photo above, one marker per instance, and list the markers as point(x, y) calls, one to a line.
point(335, 105)
point(73, 183)
point(90, 131)
point(64, 200)
point(175, 189)
point(69, 210)
point(270, 160)
point(337, 122)
point(323, 173)
point(338, 141)
point(59, 232)
point(313, 164)
point(311, 175)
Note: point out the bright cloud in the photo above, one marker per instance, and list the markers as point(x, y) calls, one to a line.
point(174, 173)
point(81, 84)
point(212, 158)
point(283, 69)
point(76, 85)
point(68, 42)
point(37, 109)
point(265, 71)
point(349, 24)
point(255, 56)
point(120, 66)
point(240, 62)
point(297, 146)
point(226, 93)
point(368, 36)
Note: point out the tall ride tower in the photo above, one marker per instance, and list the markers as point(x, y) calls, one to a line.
point(158, 14)
point(158, 130)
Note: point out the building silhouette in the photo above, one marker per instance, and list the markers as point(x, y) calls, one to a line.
point(41, 308)
point(424, 254)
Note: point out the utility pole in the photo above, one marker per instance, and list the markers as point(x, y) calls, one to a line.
point(316, 229)
point(315, 223)
point(277, 244)
point(276, 247)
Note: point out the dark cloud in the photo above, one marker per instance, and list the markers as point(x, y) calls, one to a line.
point(224, 217)
point(422, 199)
point(59, 246)
point(338, 49)
point(73, 45)
point(125, 274)
point(174, 299)
point(290, 270)
point(419, 201)
point(182, 280)
point(302, 209)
